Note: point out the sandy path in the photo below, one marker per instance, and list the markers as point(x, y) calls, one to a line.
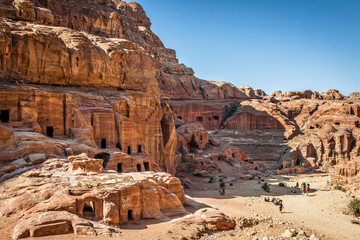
point(321, 210)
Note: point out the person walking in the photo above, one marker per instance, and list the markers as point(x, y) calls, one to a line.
point(281, 206)
point(222, 187)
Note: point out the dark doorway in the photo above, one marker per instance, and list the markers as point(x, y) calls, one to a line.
point(103, 156)
point(298, 162)
point(4, 115)
point(199, 119)
point(103, 143)
point(139, 148)
point(130, 215)
point(89, 209)
point(216, 117)
point(129, 150)
point(146, 166)
point(118, 146)
point(352, 111)
point(119, 167)
point(138, 167)
point(50, 131)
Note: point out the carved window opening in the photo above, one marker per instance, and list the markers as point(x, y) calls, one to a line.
point(146, 166)
point(103, 143)
point(201, 137)
point(209, 118)
point(130, 215)
point(138, 167)
point(311, 127)
point(337, 123)
point(129, 150)
point(352, 111)
point(298, 162)
point(50, 131)
point(89, 209)
point(179, 117)
point(199, 119)
point(4, 115)
point(139, 148)
point(216, 117)
point(119, 168)
point(357, 124)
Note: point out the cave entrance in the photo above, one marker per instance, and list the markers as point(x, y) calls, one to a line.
point(50, 131)
point(89, 209)
point(104, 156)
point(138, 167)
point(103, 143)
point(216, 117)
point(119, 168)
point(129, 150)
point(139, 148)
point(4, 116)
point(146, 166)
point(130, 215)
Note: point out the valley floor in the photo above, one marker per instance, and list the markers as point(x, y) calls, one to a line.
point(321, 211)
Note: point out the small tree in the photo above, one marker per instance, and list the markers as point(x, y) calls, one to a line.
point(354, 207)
point(282, 184)
point(266, 187)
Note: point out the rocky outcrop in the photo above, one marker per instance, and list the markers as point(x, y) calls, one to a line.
point(61, 222)
point(192, 137)
point(354, 95)
point(208, 219)
point(110, 197)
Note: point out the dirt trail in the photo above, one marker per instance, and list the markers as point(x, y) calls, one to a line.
point(321, 210)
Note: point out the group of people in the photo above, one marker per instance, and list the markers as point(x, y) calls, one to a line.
point(275, 201)
point(305, 187)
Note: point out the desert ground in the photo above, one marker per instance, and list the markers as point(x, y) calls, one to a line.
point(320, 212)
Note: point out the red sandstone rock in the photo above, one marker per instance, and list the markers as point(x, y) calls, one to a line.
point(195, 136)
point(210, 219)
point(82, 164)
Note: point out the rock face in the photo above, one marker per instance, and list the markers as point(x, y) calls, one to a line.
point(84, 121)
point(102, 43)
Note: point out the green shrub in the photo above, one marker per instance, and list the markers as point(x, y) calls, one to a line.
point(354, 207)
point(339, 187)
point(211, 180)
point(282, 184)
point(266, 187)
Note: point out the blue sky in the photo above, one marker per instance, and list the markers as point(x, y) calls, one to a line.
point(268, 44)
